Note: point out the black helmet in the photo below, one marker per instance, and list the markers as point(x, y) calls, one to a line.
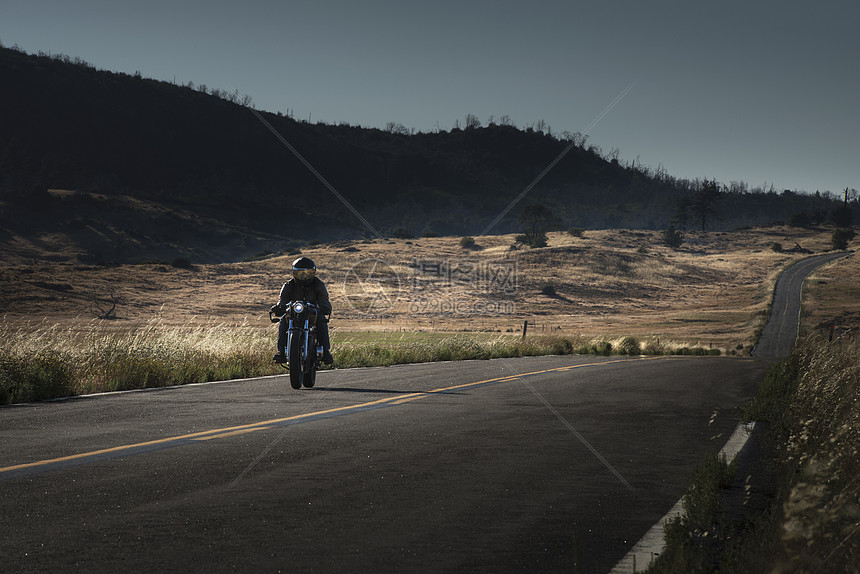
point(304, 269)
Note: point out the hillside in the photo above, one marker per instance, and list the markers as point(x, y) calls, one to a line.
point(608, 283)
point(101, 166)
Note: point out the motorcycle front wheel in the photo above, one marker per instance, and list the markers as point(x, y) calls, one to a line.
point(295, 356)
point(311, 372)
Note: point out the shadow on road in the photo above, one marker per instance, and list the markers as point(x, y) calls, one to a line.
point(389, 391)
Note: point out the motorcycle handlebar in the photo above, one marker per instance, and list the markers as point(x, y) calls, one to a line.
point(276, 319)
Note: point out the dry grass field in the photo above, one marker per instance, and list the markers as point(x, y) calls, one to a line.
point(607, 284)
point(832, 298)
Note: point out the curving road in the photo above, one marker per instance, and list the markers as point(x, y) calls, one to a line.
point(780, 332)
point(533, 464)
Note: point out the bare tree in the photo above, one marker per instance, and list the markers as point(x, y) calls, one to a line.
point(103, 311)
point(396, 128)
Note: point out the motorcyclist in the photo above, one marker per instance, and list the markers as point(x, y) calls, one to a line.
point(304, 286)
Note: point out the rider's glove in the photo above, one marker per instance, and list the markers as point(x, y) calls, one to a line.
point(277, 309)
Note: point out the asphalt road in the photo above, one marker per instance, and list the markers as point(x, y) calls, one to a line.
point(535, 464)
point(563, 466)
point(780, 333)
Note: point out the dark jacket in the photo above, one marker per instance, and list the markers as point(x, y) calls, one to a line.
point(313, 291)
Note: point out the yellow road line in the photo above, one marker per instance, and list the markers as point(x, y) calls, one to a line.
point(241, 429)
point(191, 436)
point(229, 434)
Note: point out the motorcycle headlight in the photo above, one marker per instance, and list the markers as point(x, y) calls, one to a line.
point(298, 307)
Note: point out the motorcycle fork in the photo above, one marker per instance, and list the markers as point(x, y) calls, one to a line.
point(306, 347)
point(289, 337)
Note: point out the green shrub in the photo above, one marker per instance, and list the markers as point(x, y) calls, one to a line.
point(536, 241)
point(629, 346)
point(776, 246)
point(602, 348)
point(539, 240)
point(467, 242)
point(695, 539)
point(548, 290)
point(671, 237)
point(575, 232)
point(35, 378)
point(841, 237)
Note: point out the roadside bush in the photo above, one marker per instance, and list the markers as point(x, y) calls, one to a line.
point(776, 246)
point(809, 523)
point(654, 347)
point(27, 379)
point(695, 539)
point(821, 433)
point(629, 346)
point(602, 348)
point(696, 351)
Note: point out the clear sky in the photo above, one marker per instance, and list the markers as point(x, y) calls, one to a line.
point(754, 91)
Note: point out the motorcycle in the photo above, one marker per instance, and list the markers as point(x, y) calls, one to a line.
point(303, 351)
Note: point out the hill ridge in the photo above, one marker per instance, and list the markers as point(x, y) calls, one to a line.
point(70, 126)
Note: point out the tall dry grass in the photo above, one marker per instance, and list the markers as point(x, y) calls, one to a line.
point(820, 529)
point(46, 360)
point(811, 401)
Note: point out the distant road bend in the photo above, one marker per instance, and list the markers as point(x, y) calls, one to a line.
point(780, 332)
point(540, 464)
